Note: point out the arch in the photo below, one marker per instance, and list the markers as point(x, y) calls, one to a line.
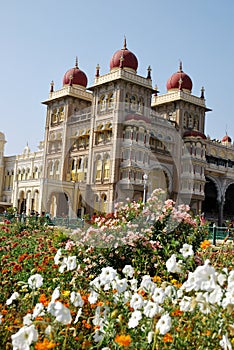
point(210, 205)
point(102, 103)
point(228, 209)
point(110, 101)
point(58, 204)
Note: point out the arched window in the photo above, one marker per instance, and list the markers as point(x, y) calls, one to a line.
point(141, 105)
point(54, 116)
point(110, 102)
point(133, 103)
point(98, 168)
point(102, 103)
point(107, 167)
point(127, 102)
point(61, 114)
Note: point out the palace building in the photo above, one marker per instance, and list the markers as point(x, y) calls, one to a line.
point(119, 138)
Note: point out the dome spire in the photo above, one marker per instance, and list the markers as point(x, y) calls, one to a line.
point(76, 63)
point(125, 43)
point(180, 67)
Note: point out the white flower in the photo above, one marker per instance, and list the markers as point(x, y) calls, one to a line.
point(151, 309)
point(61, 312)
point(35, 281)
point(27, 320)
point(231, 278)
point(136, 301)
point(56, 294)
point(107, 275)
point(128, 271)
point(172, 265)
point(150, 337)
point(1, 316)
point(93, 296)
point(48, 330)
point(164, 324)
point(57, 256)
point(24, 338)
point(133, 283)
point(215, 296)
point(147, 284)
point(78, 315)
point(71, 263)
point(76, 299)
point(186, 304)
point(187, 250)
point(120, 284)
point(13, 297)
point(98, 336)
point(159, 295)
point(134, 319)
point(38, 310)
point(225, 343)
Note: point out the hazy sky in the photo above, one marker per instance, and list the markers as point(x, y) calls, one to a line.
point(39, 41)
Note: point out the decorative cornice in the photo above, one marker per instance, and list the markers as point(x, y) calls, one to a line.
point(124, 75)
point(178, 95)
point(69, 91)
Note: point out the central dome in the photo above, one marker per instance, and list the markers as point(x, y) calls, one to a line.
point(75, 76)
point(180, 80)
point(124, 59)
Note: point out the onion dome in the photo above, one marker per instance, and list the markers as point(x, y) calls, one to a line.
point(194, 133)
point(226, 139)
point(75, 76)
point(137, 117)
point(124, 59)
point(180, 81)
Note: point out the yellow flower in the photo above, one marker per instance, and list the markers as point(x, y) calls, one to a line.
point(66, 293)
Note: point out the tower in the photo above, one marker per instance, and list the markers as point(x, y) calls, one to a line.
point(68, 114)
point(120, 128)
point(187, 112)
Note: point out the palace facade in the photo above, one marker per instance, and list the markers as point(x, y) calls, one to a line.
point(117, 139)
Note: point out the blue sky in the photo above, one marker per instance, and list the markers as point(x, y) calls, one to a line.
point(39, 41)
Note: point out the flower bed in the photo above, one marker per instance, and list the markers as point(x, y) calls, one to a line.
point(142, 278)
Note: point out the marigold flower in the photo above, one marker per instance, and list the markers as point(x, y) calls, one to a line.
point(45, 345)
point(205, 244)
point(123, 340)
point(168, 338)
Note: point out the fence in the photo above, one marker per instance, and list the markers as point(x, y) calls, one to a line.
point(218, 233)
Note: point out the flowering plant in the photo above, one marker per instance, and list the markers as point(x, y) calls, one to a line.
point(67, 293)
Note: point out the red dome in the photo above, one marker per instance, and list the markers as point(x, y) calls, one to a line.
point(129, 60)
point(226, 138)
point(180, 80)
point(194, 133)
point(75, 76)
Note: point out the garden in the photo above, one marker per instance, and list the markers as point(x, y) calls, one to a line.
point(144, 277)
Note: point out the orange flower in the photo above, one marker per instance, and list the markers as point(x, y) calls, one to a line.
point(205, 244)
point(168, 338)
point(177, 313)
point(45, 345)
point(43, 300)
point(123, 340)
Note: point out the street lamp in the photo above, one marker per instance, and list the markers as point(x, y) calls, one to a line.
point(145, 178)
